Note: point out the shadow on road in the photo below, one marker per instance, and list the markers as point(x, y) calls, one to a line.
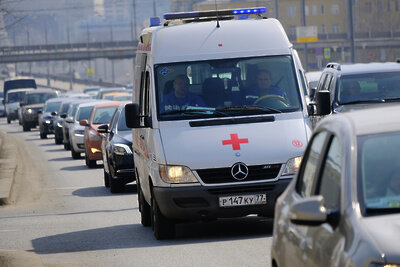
point(135, 235)
point(56, 150)
point(101, 191)
point(75, 168)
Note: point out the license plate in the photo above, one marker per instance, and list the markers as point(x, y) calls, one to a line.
point(246, 200)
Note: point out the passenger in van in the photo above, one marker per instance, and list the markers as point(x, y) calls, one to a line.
point(264, 87)
point(180, 98)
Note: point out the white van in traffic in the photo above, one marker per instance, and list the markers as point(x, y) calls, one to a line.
point(219, 117)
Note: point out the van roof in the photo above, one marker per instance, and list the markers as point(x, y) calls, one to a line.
point(203, 40)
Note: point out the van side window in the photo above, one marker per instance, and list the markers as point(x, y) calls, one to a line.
point(144, 94)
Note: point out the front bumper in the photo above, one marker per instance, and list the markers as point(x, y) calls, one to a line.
point(47, 127)
point(123, 168)
point(201, 203)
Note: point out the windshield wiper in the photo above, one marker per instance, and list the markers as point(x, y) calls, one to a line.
point(196, 111)
point(382, 210)
point(250, 108)
point(364, 101)
point(395, 99)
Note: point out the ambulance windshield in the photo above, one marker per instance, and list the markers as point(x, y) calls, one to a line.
point(227, 87)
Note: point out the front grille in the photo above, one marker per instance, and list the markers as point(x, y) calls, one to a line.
point(223, 175)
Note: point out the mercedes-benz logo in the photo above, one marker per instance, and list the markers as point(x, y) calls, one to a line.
point(239, 171)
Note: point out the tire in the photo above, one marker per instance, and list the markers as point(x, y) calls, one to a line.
point(106, 179)
point(58, 141)
point(8, 120)
point(66, 146)
point(90, 163)
point(26, 128)
point(115, 185)
point(74, 154)
point(43, 136)
point(162, 227)
point(144, 208)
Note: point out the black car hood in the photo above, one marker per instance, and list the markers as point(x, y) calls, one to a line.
point(123, 137)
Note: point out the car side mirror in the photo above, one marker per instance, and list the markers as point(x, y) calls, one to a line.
point(64, 115)
point(309, 211)
point(133, 117)
point(21, 104)
point(323, 100)
point(40, 112)
point(54, 113)
point(102, 128)
point(83, 123)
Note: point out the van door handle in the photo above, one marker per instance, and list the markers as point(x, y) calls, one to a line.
point(142, 136)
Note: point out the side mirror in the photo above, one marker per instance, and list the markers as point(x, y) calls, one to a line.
point(64, 115)
point(84, 123)
point(21, 104)
point(54, 113)
point(323, 100)
point(308, 211)
point(132, 117)
point(102, 128)
point(40, 112)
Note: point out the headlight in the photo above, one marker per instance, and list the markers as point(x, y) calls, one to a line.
point(94, 136)
point(48, 122)
point(383, 265)
point(121, 149)
point(177, 174)
point(292, 166)
point(79, 132)
point(29, 111)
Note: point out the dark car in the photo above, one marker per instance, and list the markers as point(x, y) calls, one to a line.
point(116, 148)
point(343, 88)
point(58, 120)
point(32, 106)
point(46, 118)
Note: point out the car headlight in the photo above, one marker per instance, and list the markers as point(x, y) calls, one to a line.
point(29, 111)
point(383, 265)
point(79, 132)
point(94, 136)
point(176, 174)
point(292, 166)
point(47, 121)
point(121, 149)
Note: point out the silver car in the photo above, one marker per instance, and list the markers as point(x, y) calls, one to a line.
point(343, 208)
point(76, 131)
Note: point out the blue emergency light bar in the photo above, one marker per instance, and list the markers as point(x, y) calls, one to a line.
point(214, 13)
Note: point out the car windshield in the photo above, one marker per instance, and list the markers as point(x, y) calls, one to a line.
point(121, 122)
point(13, 97)
point(379, 173)
point(84, 113)
point(39, 98)
point(226, 87)
point(52, 106)
point(369, 87)
point(103, 115)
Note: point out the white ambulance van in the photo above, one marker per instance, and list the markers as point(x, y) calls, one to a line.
point(210, 140)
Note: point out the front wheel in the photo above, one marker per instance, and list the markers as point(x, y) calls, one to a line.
point(106, 179)
point(43, 136)
point(74, 154)
point(90, 163)
point(144, 207)
point(26, 128)
point(162, 227)
point(8, 120)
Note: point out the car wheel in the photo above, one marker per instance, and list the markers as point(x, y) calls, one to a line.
point(106, 179)
point(26, 128)
point(66, 146)
point(43, 136)
point(162, 227)
point(74, 154)
point(115, 185)
point(8, 120)
point(144, 208)
point(57, 140)
point(90, 163)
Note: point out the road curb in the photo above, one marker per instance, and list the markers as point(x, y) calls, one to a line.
point(8, 167)
point(17, 258)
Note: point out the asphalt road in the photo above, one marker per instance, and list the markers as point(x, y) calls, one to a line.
point(61, 211)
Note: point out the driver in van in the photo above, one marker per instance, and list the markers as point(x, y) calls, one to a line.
point(264, 87)
point(180, 98)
